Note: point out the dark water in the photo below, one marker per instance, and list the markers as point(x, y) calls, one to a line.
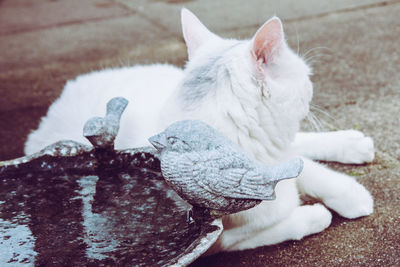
point(113, 217)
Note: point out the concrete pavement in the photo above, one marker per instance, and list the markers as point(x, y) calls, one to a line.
point(356, 78)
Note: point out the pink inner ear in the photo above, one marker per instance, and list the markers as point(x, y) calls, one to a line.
point(267, 41)
point(192, 41)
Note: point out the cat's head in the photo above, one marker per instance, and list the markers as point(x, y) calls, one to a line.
point(260, 71)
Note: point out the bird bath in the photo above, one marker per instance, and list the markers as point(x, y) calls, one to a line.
point(75, 205)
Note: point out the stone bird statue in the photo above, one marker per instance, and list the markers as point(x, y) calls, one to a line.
point(213, 173)
point(101, 132)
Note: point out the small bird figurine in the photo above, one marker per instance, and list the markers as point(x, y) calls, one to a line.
point(213, 173)
point(101, 132)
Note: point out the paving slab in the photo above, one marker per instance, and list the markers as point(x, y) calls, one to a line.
point(353, 46)
point(224, 16)
point(29, 15)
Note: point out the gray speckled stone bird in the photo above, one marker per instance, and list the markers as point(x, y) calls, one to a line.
point(101, 132)
point(210, 171)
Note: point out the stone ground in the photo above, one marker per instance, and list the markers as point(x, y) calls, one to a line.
point(353, 46)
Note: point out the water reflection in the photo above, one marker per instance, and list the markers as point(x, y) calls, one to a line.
point(111, 218)
point(96, 236)
point(16, 243)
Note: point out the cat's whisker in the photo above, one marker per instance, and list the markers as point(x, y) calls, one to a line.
point(311, 60)
point(316, 48)
point(319, 123)
point(320, 110)
point(315, 56)
point(124, 62)
point(312, 63)
point(314, 122)
point(298, 42)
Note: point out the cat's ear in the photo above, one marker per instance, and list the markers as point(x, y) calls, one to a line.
point(267, 41)
point(194, 32)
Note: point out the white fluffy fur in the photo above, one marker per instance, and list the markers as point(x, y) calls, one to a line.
point(254, 92)
point(146, 88)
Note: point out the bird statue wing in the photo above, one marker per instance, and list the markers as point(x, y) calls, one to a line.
point(232, 177)
point(241, 183)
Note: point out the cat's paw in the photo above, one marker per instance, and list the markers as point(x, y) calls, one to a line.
point(356, 148)
point(311, 219)
point(353, 202)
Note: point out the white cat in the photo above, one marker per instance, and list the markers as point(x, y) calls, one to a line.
point(255, 92)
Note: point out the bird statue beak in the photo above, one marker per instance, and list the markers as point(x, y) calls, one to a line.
point(159, 141)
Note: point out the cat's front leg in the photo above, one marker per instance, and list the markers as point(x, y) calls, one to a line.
point(348, 146)
point(338, 191)
point(301, 222)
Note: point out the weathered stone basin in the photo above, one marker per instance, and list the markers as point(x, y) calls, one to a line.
point(70, 205)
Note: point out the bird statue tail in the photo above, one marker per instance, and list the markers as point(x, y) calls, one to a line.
point(281, 171)
point(115, 108)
